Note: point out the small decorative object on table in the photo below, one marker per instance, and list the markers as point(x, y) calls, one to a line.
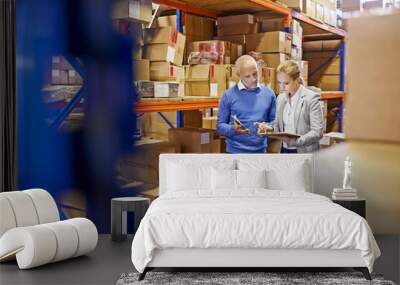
point(346, 192)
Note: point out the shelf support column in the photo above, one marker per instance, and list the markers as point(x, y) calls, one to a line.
point(342, 69)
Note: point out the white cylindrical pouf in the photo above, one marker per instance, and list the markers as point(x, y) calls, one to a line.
point(67, 239)
point(34, 246)
point(23, 207)
point(87, 234)
point(7, 217)
point(45, 206)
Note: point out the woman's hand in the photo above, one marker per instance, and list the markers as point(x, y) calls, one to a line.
point(289, 141)
point(263, 128)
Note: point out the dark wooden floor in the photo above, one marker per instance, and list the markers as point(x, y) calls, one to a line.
point(106, 264)
point(103, 266)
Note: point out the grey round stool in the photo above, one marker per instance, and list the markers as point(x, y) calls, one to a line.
point(119, 208)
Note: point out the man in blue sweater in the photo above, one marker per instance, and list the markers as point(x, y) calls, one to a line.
point(251, 104)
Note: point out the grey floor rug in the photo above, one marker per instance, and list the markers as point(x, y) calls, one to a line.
point(243, 278)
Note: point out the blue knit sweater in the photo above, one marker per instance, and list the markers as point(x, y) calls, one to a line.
point(250, 106)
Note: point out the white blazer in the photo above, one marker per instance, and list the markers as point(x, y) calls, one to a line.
point(308, 119)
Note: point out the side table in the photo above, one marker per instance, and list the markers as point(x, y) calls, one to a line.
point(357, 205)
point(119, 208)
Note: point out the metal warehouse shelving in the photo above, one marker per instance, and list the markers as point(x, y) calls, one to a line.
point(312, 29)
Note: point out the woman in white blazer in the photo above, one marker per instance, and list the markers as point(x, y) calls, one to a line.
point(298, 111)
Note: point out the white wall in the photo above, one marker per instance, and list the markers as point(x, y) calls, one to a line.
point(375, 173)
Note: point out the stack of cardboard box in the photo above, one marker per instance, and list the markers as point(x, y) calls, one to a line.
point(379, 4)
point(206, 80)
point(195, 28)
point(195, 140)
point(324, 63)
point(62, 73)
point(142, 166)
point(266, 76)
point(274, 46)
point(163, 51)
point(322, 10)
point(235, 28)
point(139, 11)
point(214, 51)
point(297, 40)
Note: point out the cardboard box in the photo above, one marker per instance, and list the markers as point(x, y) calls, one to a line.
point(329, 82)
point(135, 10)
point(271, 25)
point(319, 15)
point(74, 78)
point(236, 19)
point(312, 46)
point(157, 89)
point(333, 68)
point(210, 52)
point(266, 77)
point(331, 45)
point(143, 164)
point(165, 71)
point(269, 42)
point(210, 123)
point(137, 53)
point(310, 8)
point(167, 35)
point(237, 39)
point(236, 25)
point(59, 62)
point(192, 118)
point(206, 80)
point(165, 52)
point(59, 77)
point(294, 4)
point(165, 21)
point(297, 33)
point(202, 27)
point(304, 71)
point(195, 140)
point(192, 25)
point(318, 54)
point(327, 45)
point(237, 29)
point(215, 51)
point(371, 112)
point(141, 69)
point(297, 53)
point(351, 5)
point(273, 60)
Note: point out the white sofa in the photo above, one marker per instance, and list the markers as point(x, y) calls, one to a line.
point(194, 189)
point(31, 231)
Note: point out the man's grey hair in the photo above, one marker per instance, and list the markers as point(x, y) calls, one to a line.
point(245, 60)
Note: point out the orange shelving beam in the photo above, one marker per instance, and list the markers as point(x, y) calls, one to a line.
point(165, 106)
point(315, 23)
point(188, 8)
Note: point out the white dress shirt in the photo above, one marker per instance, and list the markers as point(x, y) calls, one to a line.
point(242, 86)
point(288, 115)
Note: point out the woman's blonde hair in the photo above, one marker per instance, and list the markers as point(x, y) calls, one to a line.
point(291, 68)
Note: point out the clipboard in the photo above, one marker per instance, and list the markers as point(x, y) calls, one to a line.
point(281, 134)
